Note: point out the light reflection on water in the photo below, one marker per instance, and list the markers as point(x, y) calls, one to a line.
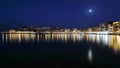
point(90, 55)
point(112, 41)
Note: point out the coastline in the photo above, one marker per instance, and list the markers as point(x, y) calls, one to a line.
point(32, 32)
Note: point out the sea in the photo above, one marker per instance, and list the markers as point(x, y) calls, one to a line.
point(59, 50)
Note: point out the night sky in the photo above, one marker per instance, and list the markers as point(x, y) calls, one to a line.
point(61, 13)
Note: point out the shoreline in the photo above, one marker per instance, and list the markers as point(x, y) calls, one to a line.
point(97, 33)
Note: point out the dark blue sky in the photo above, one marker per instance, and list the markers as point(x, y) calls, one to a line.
point(65, 13)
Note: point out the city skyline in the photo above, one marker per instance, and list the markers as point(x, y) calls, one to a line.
point(71, 14)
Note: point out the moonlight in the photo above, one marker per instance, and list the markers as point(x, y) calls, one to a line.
point(90, 10)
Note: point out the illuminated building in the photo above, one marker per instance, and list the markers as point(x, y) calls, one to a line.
point(116, 26)
point(12, 31)
point(66, 30)
point(24, 28)
point(89, 29)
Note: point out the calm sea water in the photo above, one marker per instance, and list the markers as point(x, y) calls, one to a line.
point(60, 50)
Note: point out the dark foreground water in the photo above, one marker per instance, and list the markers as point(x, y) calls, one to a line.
point(59, 51)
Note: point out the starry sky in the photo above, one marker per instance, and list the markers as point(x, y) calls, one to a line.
point(61, 13)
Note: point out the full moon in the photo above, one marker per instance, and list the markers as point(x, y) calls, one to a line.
point(90, 10)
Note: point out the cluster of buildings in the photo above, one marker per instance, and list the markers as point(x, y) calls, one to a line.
point(103, 28)
point(108, 27)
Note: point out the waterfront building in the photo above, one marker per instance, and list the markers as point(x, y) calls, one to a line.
point(116, 26)
point(66, 30)
point(89, 29)
point(34, 28)
point(12, 31)
point(45, 28)
point(24, 28)
point(75, 30)
point(103, 27)
point(95, 29)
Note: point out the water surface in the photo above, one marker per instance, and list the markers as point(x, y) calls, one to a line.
point(60, 50)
